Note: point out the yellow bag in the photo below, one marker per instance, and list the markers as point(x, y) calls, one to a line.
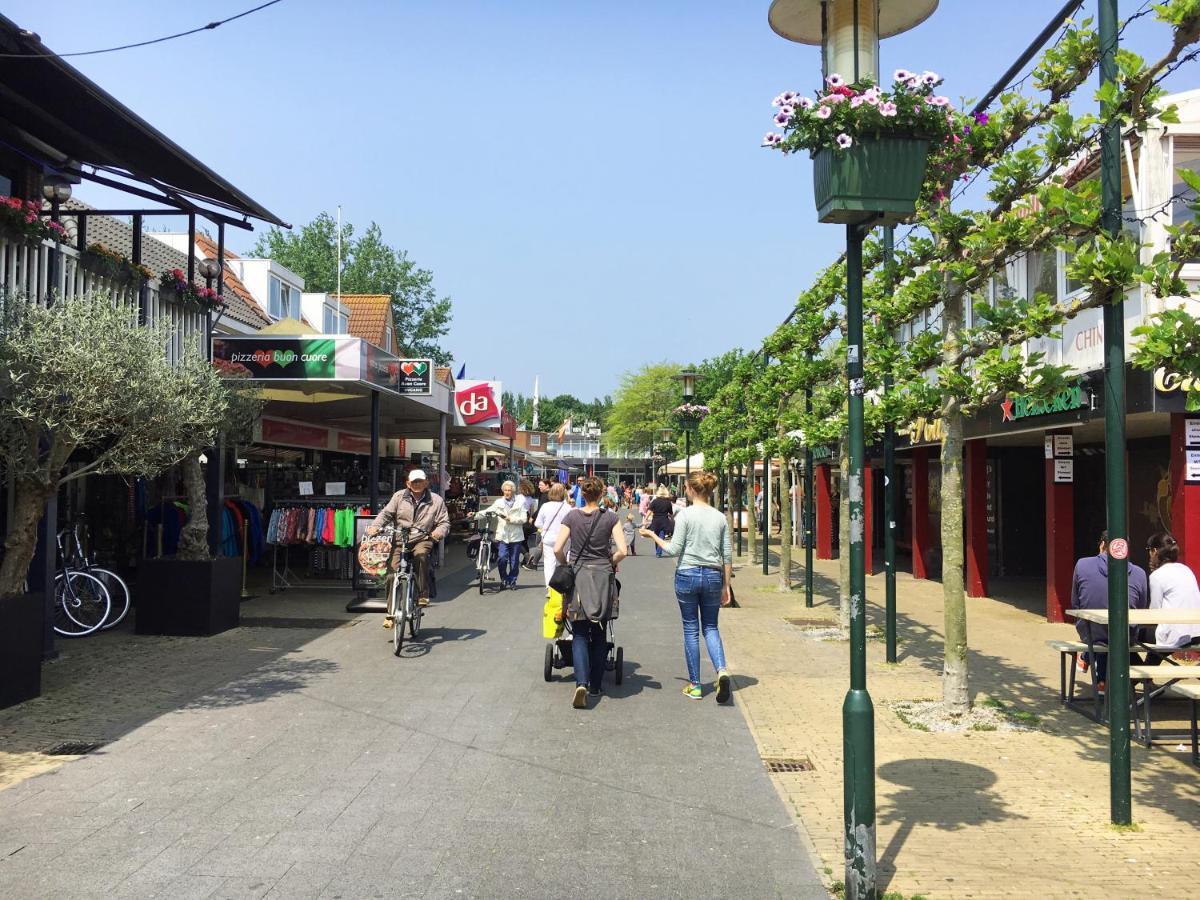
point(551, 614)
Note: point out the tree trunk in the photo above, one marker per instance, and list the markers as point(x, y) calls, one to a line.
point(955, 693)
point(844, 541)
point(731, 501)
point(193, 539)
point(29, 505)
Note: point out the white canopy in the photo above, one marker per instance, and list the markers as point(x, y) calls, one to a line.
point(680, 467)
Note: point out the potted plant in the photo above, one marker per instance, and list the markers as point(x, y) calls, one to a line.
point(175, 280)
point(870, 147)
point(195, 593)
point(21, 221)
point(83, 382)
point(106, 263)
point(690, 415)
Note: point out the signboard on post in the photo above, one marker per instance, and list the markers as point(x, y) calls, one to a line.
point(1064, 471)
point(416, 376)
point(289, 358)
point(1191, 432)
point(477, 403)
point(1064, 445)
point(1192, 467)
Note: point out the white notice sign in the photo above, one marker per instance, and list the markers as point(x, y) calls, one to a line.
point(1049, 447)
point(1191, 432)
point(306, 489)
point(335, 488)
point(1064, 471)
point(1064, 444)
point(1192, 471)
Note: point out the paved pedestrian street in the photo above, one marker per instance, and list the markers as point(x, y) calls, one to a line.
point(284, 761)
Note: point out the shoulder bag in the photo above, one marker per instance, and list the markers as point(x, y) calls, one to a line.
point(563, 579)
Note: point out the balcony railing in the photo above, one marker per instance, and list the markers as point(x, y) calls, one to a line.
point(29, 270)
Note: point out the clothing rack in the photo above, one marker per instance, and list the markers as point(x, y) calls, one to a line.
point(320, 557)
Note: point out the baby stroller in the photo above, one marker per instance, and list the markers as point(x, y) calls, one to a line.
point(559, 655)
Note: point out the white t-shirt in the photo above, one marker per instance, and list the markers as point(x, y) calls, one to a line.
point(549, 518)
point(1173, 586)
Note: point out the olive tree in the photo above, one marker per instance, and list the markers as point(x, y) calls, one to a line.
point(81, 382)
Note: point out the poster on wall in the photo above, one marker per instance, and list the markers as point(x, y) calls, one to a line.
point(416, 376)
point(1192, 470)
point(1064, 471)
point(477, 403)
point(1191, 432)
point(1064, 445)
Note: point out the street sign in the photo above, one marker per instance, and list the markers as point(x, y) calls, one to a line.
point(1119, 548)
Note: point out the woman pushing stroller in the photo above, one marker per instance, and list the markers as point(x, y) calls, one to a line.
point(584, 541)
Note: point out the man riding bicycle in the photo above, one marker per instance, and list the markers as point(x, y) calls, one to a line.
point(418, 508)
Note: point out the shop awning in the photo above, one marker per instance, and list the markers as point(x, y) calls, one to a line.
point(679, 468)
point(49, 111)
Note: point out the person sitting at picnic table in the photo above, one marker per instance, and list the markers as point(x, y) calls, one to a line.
point(1172, 586)
point(1089, 590)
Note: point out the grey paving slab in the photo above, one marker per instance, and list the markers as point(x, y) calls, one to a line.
point(316, 764)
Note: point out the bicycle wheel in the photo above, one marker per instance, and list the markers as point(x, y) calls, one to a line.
point(81, 603)
point(399, 591)
point(118, 592)
point(414, 613)
point(485, 560)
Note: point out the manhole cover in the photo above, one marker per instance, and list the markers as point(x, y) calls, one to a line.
point(74, 748)
point(272, 622)
point(777, 764)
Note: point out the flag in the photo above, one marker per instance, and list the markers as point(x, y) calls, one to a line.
point(462, 372)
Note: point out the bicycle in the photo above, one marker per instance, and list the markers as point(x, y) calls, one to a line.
point(118, 590)
point(486, 526)
point(403, 608)
point(82, 602)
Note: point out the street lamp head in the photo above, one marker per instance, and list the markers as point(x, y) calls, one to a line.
point(847, 31)
point(688, 377)
point(209, 268)
point(56, 189)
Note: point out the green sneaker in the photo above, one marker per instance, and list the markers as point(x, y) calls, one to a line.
point(724, 686)
point(693, 692)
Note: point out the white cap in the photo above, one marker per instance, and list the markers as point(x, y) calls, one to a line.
point(417, 475)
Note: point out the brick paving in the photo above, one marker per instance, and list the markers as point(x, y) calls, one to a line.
point(977, 814)
point(309, 762)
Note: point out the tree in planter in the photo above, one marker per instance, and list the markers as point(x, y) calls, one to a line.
point(83, 379)
point(241, 406)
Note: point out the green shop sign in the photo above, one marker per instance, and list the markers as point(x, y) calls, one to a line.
point(272, 358)
point(1066, 400)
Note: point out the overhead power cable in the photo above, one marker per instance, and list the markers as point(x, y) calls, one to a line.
point(170, 37)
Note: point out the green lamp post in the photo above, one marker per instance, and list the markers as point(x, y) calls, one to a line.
point(876, 186)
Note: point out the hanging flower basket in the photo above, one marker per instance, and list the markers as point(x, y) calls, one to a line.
point(21, 222)
point(870, 147)
point(874, 180)
point(106, 263)
point(175, 281)
point(690, 415)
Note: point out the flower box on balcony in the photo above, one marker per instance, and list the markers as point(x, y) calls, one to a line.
point(873, 181)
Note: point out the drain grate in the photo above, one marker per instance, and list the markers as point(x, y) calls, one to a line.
point(778, 764)
point(275, 622)
point(74, 748)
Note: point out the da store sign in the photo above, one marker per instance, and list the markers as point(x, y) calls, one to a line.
point(477, 403)
point(266, 358)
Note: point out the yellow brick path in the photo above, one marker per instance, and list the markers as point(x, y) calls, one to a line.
point(977, 814)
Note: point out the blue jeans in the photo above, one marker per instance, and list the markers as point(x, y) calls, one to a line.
point(589, 652)
point(665, 534)
point(508, 561)
point(699, 594)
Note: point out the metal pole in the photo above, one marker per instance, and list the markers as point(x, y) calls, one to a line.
point(889, 493)
point(687, 458)
point(1114, 446)
point(808, 510)
point(137, 261)
point(739, 506)
point(373, 488)
point(858, 714)
point(766, 495)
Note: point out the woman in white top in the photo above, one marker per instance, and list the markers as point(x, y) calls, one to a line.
point(510, 514)
point(1172, 586)
point(549, 519)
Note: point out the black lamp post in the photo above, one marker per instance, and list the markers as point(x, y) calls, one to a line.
point(57, 190)
point(688, 377)
point(210, 269)
point(848, 33)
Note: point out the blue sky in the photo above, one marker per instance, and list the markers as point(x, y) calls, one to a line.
point(574, 173)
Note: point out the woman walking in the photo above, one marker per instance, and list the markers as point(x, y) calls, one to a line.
point(662, 516)
point(584, 539)
point(701, 543)
point(550, 516)
point(510, 517)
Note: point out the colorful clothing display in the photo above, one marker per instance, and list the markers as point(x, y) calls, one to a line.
point(323, 525)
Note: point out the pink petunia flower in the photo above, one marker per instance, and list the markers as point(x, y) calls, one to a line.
point(823, 112)
point(887, 109)
point(833, 99)
point(938, 101)
point(804, 102)
point(844, 141)
point(835, 80)
point(856, 102)
point(771, 139)
point(930, 78)
point(782, 118)
point(901, 75)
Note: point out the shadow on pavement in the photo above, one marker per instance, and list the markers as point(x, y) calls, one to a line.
point(429, 638)
point(633, 683)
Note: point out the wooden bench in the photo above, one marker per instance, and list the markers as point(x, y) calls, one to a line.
point(1177, 681)
point(1190, 691)
point(1071, 650)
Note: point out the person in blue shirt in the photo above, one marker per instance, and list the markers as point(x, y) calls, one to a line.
point(1089, 590)
point(577, 493)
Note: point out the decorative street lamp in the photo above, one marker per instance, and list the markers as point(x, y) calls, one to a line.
point(688, 377)
point(56, 189)
point(854, 189)
point(210, 269)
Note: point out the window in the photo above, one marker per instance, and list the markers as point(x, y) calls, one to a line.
point(336, 322)
point(284, 299)
point(1070, 285)
point(1041, 274)
point(535, 440)
point(387, 337)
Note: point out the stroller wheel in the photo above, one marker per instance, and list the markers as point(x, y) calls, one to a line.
point(548, 673)
point(618, 675)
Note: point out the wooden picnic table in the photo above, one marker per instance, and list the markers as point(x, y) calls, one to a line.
point(1140, 616)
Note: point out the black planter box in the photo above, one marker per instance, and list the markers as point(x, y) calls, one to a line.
point(189, 597)
point(22, 621)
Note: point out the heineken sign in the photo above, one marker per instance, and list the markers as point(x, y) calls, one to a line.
point(1066, 400)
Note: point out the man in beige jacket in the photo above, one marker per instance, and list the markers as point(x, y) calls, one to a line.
point(416, 507)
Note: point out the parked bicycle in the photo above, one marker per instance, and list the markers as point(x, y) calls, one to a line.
point(82, 603)
point(403, 609)
point(77, 559)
